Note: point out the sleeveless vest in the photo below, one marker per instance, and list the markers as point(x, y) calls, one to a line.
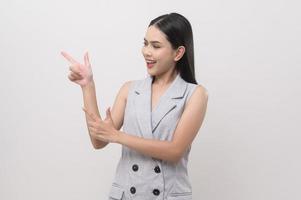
point(141, 177)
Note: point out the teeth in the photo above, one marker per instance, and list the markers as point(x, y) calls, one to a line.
point(150, 61)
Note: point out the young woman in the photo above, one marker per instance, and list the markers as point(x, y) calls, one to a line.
point(160, 115)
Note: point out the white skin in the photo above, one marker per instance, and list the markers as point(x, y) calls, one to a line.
point(108, 130)
point(158, 48)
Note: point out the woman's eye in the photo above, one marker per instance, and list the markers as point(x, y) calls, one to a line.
point(156, 47)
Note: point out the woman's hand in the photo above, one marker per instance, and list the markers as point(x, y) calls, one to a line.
point(103, 130)
point(80, 73)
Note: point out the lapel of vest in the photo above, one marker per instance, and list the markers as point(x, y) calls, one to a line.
point(168, 101)
point(142, 107)
point(147, 120)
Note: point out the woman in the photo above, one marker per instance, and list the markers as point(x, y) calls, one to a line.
point(160, 114)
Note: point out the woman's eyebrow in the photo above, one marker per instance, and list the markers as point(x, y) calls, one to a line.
point(152, 41)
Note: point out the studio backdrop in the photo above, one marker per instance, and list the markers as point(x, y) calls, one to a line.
point(247, 55)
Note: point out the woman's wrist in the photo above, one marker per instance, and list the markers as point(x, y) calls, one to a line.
point(119, 137)
point(89, 84)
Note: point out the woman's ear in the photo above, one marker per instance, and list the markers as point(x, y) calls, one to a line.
point(179, 53)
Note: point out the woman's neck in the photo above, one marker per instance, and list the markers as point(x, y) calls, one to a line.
point(165, 79)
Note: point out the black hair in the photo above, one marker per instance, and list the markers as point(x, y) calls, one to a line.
point(178, 32)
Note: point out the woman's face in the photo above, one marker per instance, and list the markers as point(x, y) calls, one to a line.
point(158, 52)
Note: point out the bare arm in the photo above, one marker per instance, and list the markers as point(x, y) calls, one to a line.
point(82, 75)
point(90, 103)
point(187, 128)
point(118, 109)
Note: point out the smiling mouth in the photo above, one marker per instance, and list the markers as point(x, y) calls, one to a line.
point(150, 64)
point(150, 61)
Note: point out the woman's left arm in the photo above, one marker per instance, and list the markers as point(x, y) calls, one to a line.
point(187, 128)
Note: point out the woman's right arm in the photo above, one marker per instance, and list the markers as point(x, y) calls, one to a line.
point(117, 112)
point(82, 75)
point(90, 103)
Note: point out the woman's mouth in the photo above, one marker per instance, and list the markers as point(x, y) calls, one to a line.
point(150, 64)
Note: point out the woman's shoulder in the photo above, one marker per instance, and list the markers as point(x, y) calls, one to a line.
point(134, 83)
point(124, 90)
point(129, 85)
point(198, 88)
point(197, 93)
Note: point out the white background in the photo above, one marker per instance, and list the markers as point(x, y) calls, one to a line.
point(247, 54)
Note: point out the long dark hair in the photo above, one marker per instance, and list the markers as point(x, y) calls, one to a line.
point(179, 33)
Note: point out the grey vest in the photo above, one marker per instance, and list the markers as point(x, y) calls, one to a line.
point(140, 177)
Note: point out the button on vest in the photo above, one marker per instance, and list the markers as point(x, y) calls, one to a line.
point(156, 192)
point(157, 169)
point(133, 190)
point(135, 167)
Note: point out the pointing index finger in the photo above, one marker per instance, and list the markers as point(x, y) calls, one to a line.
point(68, 57)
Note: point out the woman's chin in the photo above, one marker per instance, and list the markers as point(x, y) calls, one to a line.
point(151, 73)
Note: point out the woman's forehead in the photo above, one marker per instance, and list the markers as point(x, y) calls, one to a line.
point(153, 34)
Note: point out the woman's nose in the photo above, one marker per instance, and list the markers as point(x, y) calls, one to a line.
point(146, 51)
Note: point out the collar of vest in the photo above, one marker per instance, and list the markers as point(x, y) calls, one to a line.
point(175, 90)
